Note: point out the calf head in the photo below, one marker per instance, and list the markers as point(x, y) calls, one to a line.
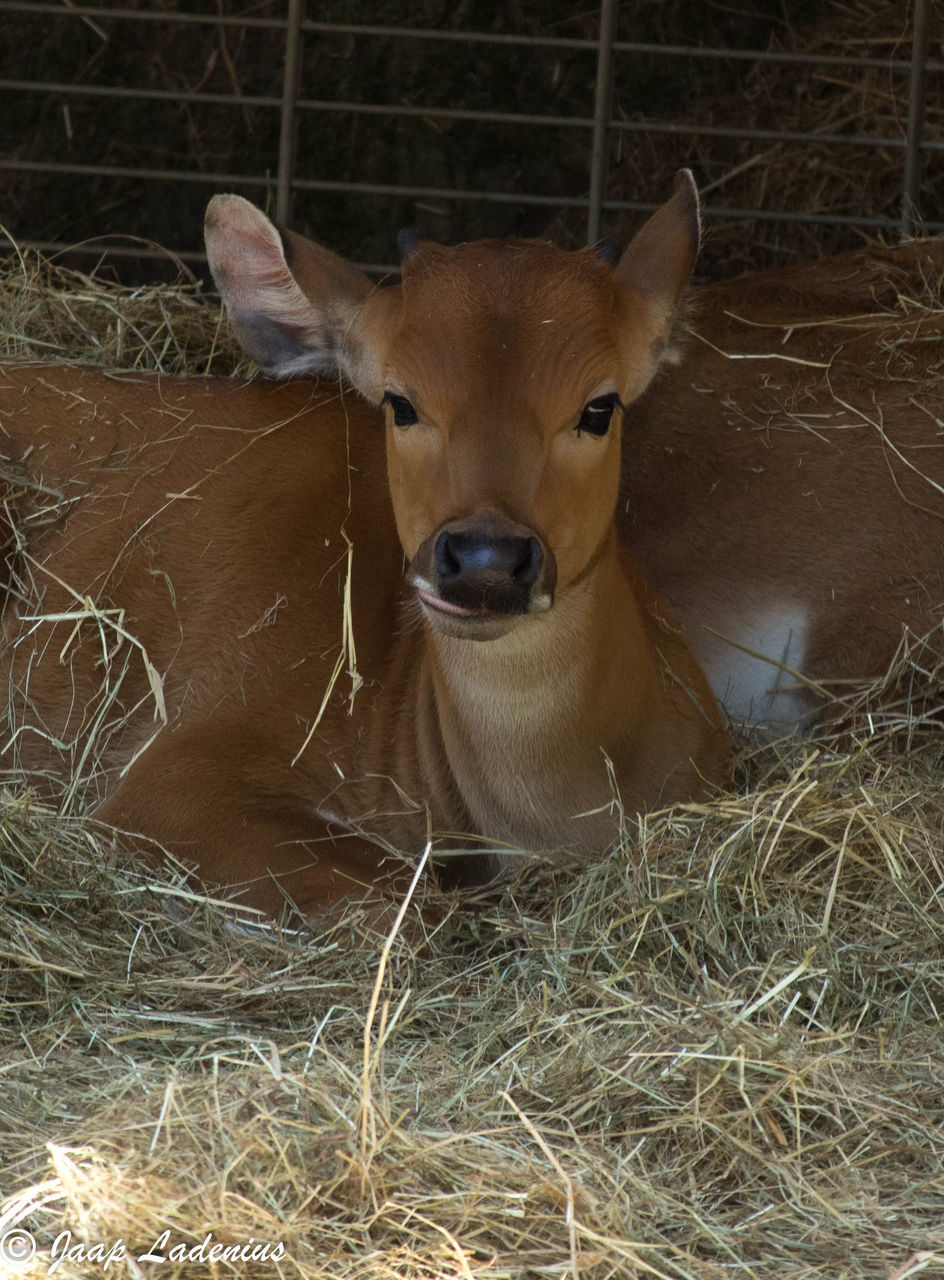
point(504, 369)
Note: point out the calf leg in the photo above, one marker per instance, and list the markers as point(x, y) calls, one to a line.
point(265, 843)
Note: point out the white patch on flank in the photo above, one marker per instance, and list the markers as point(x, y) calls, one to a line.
point(749, 665)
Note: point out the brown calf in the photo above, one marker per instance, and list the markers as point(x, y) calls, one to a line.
point(183, 625)
point(234, 537)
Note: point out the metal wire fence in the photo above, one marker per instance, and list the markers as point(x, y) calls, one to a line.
point(276, 175)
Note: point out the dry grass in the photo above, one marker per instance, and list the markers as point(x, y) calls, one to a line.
point(51, 312)
point(716, 1052)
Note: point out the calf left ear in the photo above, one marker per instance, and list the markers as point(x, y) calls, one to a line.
point(654, 272)
point(294, 306)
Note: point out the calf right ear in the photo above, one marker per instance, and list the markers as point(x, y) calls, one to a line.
point(293, 305)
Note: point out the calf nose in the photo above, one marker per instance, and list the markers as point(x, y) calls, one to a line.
point(487, 571)
point(504, 559)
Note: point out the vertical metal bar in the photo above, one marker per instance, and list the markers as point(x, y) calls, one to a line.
point(289, 119)
point(916, 93)
point(603, 101)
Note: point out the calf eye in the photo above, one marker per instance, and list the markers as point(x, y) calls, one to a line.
point(597, 414)
point(404, 415)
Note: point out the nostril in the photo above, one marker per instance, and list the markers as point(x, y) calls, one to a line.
point(448, 564)
point(528, 568)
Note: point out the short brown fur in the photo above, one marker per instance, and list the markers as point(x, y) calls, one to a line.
point(805, 473)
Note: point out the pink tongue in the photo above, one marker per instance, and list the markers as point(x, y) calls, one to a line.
point(444, 606)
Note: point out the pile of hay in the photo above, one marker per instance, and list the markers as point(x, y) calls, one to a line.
point(50, 312)
point(716, 1052)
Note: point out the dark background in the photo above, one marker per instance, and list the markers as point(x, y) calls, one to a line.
point(844, 181)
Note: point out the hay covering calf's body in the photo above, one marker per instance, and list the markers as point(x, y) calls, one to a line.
point(163, 606)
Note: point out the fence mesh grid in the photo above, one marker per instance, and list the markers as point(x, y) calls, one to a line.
point(124, 120)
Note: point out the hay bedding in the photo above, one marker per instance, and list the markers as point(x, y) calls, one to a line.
point(825, 175)
point(719, 1054)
